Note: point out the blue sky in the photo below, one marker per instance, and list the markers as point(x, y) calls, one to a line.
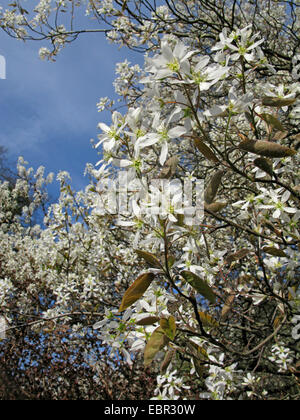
point(48, 110)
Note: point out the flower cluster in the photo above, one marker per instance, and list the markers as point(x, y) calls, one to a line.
point(167, 385)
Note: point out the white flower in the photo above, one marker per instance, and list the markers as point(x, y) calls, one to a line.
point(170, 62)
point(244, 43)
point(282, 356)
point(277, 202)
point(44, 53)
point(224, 42)
point(103, 102)
point(168, 384)
point(236, 104)
point(3, 327)
point(206, 76)
point(281, 91)
point(111, 134)
point(162, 135)
point(296, 329)
point(160, 394)
point(250, 380)
point(165, 199)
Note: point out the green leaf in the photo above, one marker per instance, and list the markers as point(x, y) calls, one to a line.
point(157, 342)
point(273, 121)
point(200, 285)
point(136, 290)
point(213, 186)
point(274, 251)
point(180, 220)
point(148, 320)
point(150, 259)
point(168, 326)
point(277, 321)
point(266, 148)
point(198, 351)
point(199, 367)
point(208, 320)
point(171, 261)
point(242, 253)
point(277, 102)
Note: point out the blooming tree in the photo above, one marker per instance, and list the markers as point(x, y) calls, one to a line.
point(203, 286)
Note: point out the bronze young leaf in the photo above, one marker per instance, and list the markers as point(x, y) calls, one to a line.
point(157, 342)
point(215, 207)
point(227, 306)
point(167, 360)
point(266, 148)
point(264, 164)
point(136, 290)
point(148, 320)
point(169, 168)
point(213, 186)
point(169, 327)
point(205, 150)
point(242, 253)
point(150, 259)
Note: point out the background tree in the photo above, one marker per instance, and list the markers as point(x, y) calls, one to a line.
point(42, 352)
point(5, 167)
